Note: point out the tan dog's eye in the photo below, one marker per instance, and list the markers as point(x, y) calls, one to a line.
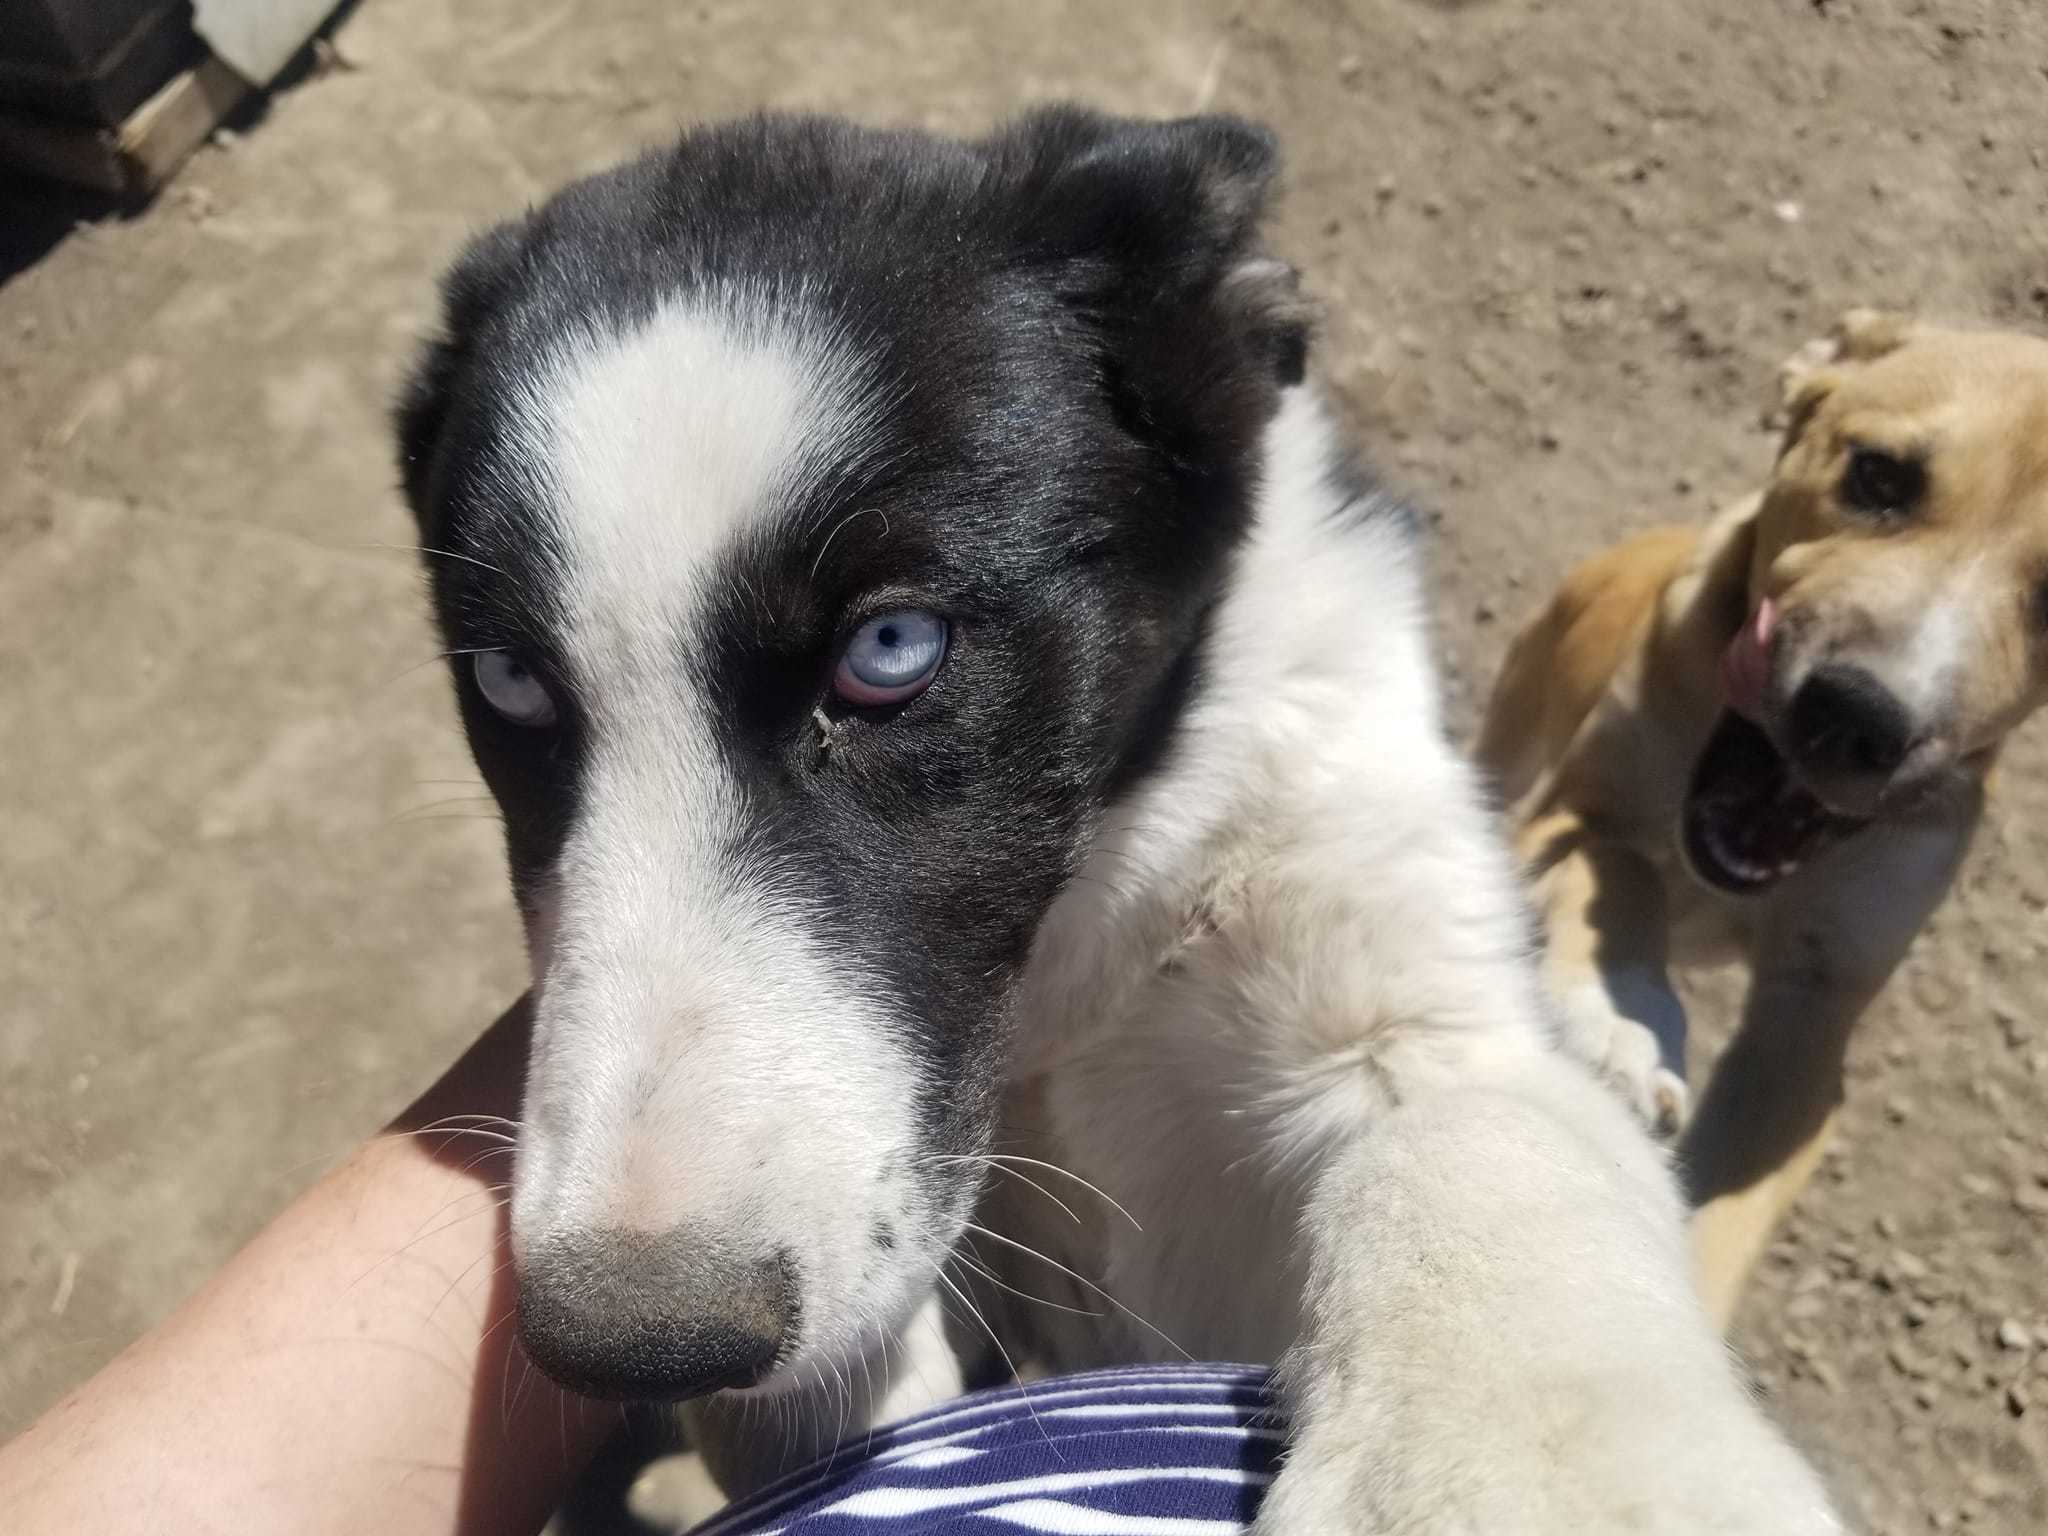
point(1881, 484)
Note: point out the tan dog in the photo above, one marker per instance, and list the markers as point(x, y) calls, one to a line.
point(1770, 737)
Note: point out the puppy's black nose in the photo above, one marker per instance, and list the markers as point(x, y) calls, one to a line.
point(1844, 723)
point(653, 1318)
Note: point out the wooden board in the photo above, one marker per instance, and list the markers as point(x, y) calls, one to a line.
point(141, 155)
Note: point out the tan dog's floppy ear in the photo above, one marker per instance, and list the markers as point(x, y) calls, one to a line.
point(1804, 378)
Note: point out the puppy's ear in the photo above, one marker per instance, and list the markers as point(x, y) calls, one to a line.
point(1153, 228)
point(1862, 335)
point(1806, 377)
point(471, 290)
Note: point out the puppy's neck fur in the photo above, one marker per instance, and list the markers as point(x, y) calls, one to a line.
point(1311, 747)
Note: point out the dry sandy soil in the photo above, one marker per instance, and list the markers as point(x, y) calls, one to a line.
point(249, 902)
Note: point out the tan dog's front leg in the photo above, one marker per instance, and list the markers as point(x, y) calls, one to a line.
point(1605, 955)
point(1766, 1117)
point(1826, 944)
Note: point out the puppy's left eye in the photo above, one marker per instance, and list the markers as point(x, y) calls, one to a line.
point(1882, 484)
point(891, 659)
point(510, 687)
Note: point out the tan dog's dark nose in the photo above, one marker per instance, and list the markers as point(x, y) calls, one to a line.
point(653, 1318)
point(1845, 726)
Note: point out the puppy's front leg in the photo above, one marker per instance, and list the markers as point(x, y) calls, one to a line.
point(1501, 1333)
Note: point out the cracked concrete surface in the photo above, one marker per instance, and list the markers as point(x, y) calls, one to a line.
point(250, 899)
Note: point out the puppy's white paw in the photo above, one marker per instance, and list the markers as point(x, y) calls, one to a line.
point(1633, 1057)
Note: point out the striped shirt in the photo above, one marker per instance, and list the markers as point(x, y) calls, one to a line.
point(1143, 1451)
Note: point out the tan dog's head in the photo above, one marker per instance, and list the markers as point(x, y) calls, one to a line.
point(1898, 591)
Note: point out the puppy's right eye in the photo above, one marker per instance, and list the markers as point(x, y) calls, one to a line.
point(1880, 484)
point(891, 659)
point(511, 687)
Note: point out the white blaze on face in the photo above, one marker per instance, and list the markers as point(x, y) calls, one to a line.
point(701, 1057)
point(1930, 654)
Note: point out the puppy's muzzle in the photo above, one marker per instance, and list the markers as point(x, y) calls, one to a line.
point(654, 1318)
point(1847, 734)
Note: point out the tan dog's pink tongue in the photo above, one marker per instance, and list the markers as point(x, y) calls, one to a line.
point(1746, 664)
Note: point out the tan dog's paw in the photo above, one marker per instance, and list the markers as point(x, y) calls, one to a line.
point(1630, 1055)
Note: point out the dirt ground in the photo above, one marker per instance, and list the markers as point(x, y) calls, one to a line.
point(250, 901)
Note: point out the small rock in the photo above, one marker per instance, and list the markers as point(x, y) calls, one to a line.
point(1934, 992)
point(1898, 1109)
point(1910, 1362)
point(1917, 1313)
point(1788, 212)
point(1385, 188)
point(2032, 1199)
point(1887, 1225)
point(1484, 613)
point(1900, 1269)
point(1977, 1184)
point(1804, 1309)
point(1989, 1486)
point(1350, 67)
point(2016, 1400)
point(1926, 1394)
point(1825, 1375)
point(2012, 1334)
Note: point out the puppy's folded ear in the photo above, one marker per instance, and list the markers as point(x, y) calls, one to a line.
point(1153, 228)
point(1806, 377)
point(1862, 335)
point(471, 290)
point(1809, 373)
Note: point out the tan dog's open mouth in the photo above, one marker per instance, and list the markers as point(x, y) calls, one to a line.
point(1748, 821)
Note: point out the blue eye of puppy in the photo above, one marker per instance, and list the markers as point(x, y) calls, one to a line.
point(891, 659)
point(511, 687)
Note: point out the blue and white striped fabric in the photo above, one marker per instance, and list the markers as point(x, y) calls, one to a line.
point(1152, 1451)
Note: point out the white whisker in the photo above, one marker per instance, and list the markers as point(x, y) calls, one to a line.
point(1029, 1251)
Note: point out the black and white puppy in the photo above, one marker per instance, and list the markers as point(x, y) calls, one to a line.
point(928, 645)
